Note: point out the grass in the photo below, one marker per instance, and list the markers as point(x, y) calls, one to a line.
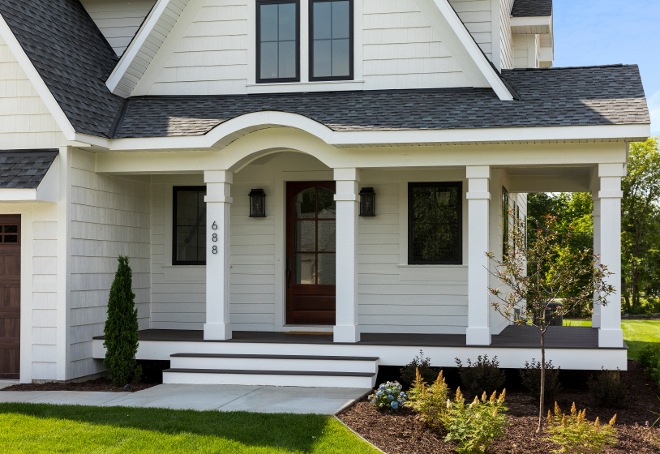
point(38, 428)
point(636, 333)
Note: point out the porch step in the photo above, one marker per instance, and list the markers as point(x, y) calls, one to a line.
point(272, 370)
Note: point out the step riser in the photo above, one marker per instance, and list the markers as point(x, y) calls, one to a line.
point(273, 364)
point(191, 378)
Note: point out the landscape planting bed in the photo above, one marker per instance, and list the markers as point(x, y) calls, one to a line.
point(403, 433)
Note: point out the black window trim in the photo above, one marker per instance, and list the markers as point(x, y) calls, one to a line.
point(351, 48)
point(258, 41)
point(452, 184)
point(175, 191)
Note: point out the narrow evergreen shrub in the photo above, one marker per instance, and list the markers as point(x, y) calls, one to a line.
point(121, 328)
point(531, 379)
point(483, 375)
point(608, 389)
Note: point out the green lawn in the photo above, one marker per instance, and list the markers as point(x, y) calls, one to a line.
point(636, 333)
point(35, 428)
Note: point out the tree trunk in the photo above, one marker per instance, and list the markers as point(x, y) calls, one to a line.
point(540, 427)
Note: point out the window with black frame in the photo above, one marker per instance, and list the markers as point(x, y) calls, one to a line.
point(435, 223)
point(331, 40)
point(189, 230)
point(278, 39)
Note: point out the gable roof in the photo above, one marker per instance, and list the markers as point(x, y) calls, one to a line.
point(24, 169)
point(589, 96)
point(532, 8)
point(71, 56)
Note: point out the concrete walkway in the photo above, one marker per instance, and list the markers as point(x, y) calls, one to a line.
point(258, 399)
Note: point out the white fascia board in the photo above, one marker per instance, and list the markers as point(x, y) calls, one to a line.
point(18, 195)
point(33, 75)
point(532, 25)
point(118, 74)
point(462, 46)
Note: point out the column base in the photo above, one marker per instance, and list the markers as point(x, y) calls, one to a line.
point(595, 320)
point(610, 338)
point(217, 331)
point(346, 333)
point(477, 336)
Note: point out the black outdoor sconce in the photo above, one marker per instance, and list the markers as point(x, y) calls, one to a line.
point(257, 203)
point(367, 202)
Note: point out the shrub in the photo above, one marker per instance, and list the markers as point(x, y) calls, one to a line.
point(481, 376)
point(531, 379)
point(608, 389)
point(389, 395)
point(649, 355)
point(421, 364)
point(121, 329)
point(575, 434)
point(476, 425)
point(429, 401)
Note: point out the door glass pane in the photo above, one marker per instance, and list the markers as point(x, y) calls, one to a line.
point(305, 269)
point(327, 204)
point(327, 235)
point(11, 229)
point(327, 269)
point(340, 20)
point(322, 23)
point(305, 204)
point(305, 236)
point(11, 238)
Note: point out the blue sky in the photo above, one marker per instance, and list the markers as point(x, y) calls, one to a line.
point(601, 32)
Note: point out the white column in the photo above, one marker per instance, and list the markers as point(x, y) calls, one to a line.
point(347, 198)
point(610, 333)
point(478, 330)
point(218, 204)
point(595, 320)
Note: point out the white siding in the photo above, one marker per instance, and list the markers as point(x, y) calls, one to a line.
point(526, 51)
point(506, 50)
point(212, 56)
point(25, 121)
point(476, 15)
point(110, 216)
point(118, 20)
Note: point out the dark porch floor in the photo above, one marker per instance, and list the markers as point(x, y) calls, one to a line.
point(561, 337)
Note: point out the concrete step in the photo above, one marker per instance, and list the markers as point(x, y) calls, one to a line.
point(309, 379)
point(274, 362)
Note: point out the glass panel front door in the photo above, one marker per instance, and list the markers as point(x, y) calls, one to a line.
point(311, 237)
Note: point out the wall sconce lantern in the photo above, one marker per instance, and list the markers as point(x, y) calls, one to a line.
point(257, 203)
point(367, 202)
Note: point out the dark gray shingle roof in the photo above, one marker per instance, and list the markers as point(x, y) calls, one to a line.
point(72, 57)
point(24, 169)
point(590, 96)
point(532, 8)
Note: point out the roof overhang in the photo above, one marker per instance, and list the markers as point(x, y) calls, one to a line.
point(539, 25)
point(47, 190)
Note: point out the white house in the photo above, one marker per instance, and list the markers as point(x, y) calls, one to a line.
point(142, 127)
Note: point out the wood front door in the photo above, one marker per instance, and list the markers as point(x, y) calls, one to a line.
point(310, 259)
point(10, 295)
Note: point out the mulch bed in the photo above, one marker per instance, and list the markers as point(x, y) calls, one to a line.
point(402, 433)
point(101, 384)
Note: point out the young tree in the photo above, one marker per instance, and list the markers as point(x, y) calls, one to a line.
point(639, 207)
point(121, 328)
point(539, 273)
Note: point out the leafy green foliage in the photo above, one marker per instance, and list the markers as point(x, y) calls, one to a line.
point(389, 395)
point(481, 376)
point(577, 435)
point(429, 401)
point(531, 380)
point(121, 328)
point(420, 365)
point(476, 425)
point(649, 357)
point(608, 389)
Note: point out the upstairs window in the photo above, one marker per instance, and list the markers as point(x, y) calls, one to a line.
point(278, 39)
point(331, 40)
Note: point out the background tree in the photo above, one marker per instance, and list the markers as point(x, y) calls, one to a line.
point(538, 272)
point(121, 328)
point(639, 222)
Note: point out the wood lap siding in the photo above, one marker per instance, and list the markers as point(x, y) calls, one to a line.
point(10, 302)
point(506, 47)
point(110, 216)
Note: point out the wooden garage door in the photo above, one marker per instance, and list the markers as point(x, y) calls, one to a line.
point(10, 295)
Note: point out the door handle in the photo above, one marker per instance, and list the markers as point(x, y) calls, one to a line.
point(288, 272)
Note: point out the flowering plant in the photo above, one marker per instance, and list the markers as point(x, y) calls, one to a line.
point(575, 434)
point(389, 395)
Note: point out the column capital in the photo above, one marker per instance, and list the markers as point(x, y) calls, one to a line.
point(351, 174)
point(477, 172)
point(218, 176)
point(612, 170)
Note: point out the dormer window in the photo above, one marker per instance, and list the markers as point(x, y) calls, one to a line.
point(331, 40)
point(329, 30)
point(278, 41)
